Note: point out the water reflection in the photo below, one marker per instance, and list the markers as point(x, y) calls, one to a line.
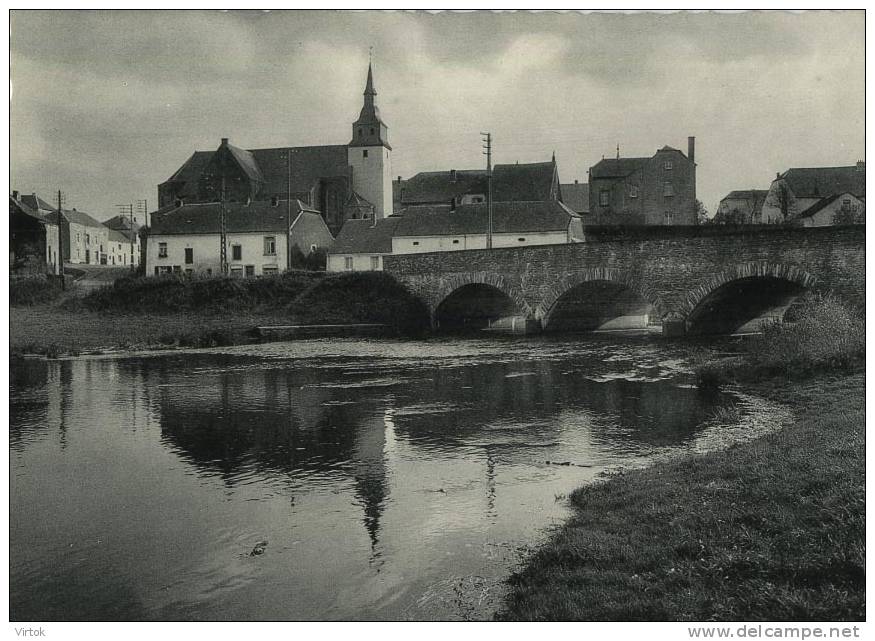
point(374, 478)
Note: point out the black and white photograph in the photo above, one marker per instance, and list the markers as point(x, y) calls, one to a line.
point(437, 316)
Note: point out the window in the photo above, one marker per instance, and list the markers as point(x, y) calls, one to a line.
point(236, 272)
point(209, 271)
point(236, 252)
point(189, 255)
point(177, 269)
point(604, 198)
point(156, 270)
point(270, 245)
point(78, 238)
point(415, 243)
point(522, 240)
point(87, 239)
point(347, 263)
point(667, 165)
point(633, 191)
point(372, 131)
point(250, 271)
point(668, 218)
point(846, 202)
point(455, 242)
point(313, 247)
point(162, 250)
point(189, 272)
point(360, 132)
point(375, 263)
point(364, 153)
point(269, 270)
point(668, 189)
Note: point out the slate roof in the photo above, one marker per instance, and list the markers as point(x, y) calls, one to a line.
point(746, 194)
point(116, 236)
point(820, 182)
point(81, 218)
point(44, 217)
point(203, 218)
point(270, 168)
point(617, 167)
point(365, 237)
point(523, 182)
point(439, 186)
point(122, 223)
point(516, 217)
point(35, 202)
point(576, 196)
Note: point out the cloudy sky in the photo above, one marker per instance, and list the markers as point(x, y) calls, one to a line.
point(105, 105)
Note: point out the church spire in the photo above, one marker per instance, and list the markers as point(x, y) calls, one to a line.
point(369, 88)
point(369, 130)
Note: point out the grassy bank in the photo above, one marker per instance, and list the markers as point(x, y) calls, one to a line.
point(773, 529)
point(770, 530)
point(143, 313)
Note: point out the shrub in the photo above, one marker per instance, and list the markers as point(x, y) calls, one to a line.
point(33, 289)
point(361, 297)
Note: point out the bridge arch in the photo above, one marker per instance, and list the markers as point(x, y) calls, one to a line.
point(568, 282)
point(478, 282)
point(758, 289)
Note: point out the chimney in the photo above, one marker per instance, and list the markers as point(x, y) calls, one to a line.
point(691, 148)
point(453, 175)
point(399, 179)
point(861, 166)
point(575, 181)
point(14, 194)
point(224, 142)
point(778, 176)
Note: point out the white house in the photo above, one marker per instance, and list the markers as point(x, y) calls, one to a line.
point(845, 207)
point(361, 245)
point(436, 228)
point(798, 189)
point(260, 235)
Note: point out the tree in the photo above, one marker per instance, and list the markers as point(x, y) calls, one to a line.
point(848, 215)
point(702, 217)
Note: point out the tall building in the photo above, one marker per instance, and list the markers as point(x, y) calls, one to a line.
point(339, 181)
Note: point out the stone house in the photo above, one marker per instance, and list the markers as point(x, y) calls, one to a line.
point(263, 238)
point(741, 207)
point(798, 189)
point(85, 238)
point(339, 181)
point(129, 229)
point(33, 235)
point(655, 190)
point(526, 182)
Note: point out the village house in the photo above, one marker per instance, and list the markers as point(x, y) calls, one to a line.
point(440, 228)
point(33, 239)
point(655, 190)
point(263, 238)
point(339, 181)
point(85, 238)
point(129, 229)
point(797, 190)
point(361, 245)
point(839, 209)
point(519, 182)
point(741, 207)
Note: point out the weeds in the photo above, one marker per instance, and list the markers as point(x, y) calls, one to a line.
point(33, 289)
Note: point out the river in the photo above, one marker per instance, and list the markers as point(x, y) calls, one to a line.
point(328, 479)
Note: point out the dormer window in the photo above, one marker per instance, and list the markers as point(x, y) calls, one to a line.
point(633, 191)
point(667, 165)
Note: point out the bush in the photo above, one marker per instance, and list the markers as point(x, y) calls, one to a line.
point(825, 334)
point(31, 290)
point(361, 297)
point(175, 293)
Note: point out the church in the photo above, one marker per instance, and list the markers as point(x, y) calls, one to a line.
point(339, 181)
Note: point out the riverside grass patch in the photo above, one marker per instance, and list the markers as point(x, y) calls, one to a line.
point(33, 289)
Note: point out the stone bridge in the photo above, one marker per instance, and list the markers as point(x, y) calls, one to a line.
point(705, 279)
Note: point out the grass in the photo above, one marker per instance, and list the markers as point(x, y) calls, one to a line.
point(825, 335)
point(773, 529)
point(144, 313)
point(33, 289)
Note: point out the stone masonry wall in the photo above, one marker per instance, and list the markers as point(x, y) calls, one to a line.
point(674, 268)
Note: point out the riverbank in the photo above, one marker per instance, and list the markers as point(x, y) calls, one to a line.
point(773, 529)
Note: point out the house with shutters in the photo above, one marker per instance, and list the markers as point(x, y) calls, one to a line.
point(797, 190)
point(655, 190)
point(127, 231)
point(263, 238)
point(340, 182)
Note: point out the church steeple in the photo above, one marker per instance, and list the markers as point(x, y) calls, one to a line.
point(370, 130)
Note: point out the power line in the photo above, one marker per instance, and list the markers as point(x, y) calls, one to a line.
point(488, 153)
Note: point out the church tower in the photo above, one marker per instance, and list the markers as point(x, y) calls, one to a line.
point(369, 155)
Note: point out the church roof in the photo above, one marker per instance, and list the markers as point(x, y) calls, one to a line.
point(507, 217)
point(366, 236)
point(204, 218)
point(247, 162)
point(820, 182)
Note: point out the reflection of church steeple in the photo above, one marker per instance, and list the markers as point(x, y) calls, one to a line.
point(370, 473)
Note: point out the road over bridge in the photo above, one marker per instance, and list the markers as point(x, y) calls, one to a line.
point(703, 279)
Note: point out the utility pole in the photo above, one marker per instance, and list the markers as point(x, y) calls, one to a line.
point(142, 208)
point(289, 209)
point(60, 260)
point(129, 210)
point(488, 154)
point(223, 236)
